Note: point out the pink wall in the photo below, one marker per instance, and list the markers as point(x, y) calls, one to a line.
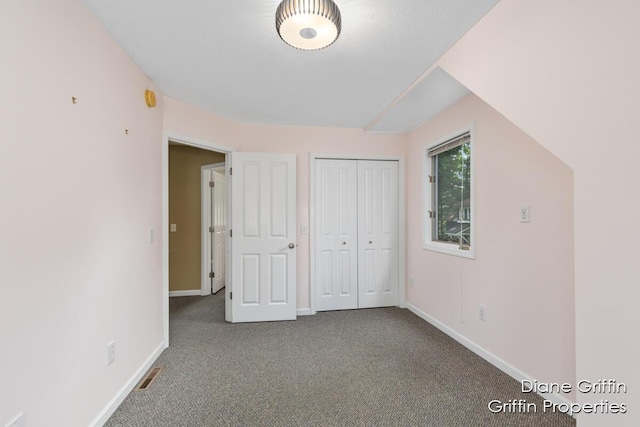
point(186, 120)
point(192, 122)
point(522, 272)
point(499, 276)
point(305, 140)
point(567, 74)
point(78, 198)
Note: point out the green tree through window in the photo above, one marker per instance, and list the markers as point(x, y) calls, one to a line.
point(452, 222)
point(449, 209)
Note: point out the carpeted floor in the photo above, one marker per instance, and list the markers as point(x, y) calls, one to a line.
point(374, 367)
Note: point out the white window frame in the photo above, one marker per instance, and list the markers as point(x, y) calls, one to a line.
point(428, 242)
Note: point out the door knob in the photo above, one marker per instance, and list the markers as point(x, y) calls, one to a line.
point(370, 242)
point(291, 246)
point(344, 243)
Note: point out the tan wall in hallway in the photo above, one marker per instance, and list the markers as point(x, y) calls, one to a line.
point(185, 212)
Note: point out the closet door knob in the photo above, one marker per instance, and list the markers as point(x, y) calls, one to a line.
point(344, 243)
point(370, 242)
point(291, 246)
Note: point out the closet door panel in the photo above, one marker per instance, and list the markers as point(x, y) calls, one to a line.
point(378, 263)
point(336, 227)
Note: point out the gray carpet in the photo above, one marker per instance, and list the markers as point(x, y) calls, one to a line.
point(374, 367)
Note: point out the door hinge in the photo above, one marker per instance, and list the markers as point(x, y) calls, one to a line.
point(212, 184)
point(230, 295)
point(432, 214)
point(230, 171)
point(230, 233)
point(432, 178)
point(211, 229)
point(212, 275)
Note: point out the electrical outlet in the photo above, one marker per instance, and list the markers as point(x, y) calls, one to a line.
point(482, 313)
point(525, 214)
point(151, 235)
point(18, 421)
point(304, 229)
point(111, 352)
point(173, 228)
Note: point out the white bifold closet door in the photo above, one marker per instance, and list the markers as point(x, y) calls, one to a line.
point(336, 232)
point(378, 273)
point(356, 230)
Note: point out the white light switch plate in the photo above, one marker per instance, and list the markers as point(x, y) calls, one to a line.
point(525, 214)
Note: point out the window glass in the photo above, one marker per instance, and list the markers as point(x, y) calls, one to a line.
point(452, 196)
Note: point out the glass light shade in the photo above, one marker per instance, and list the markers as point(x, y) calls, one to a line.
point(308, 24)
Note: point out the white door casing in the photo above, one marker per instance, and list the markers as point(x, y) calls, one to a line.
point(263, 243)
point(214, 213)
point(219, 213)
point(336, 229)
point(378, 255)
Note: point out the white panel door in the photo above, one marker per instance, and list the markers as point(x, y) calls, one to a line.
point(378, 255)
point(336, 231)
point(263, 225)
point(219, 213)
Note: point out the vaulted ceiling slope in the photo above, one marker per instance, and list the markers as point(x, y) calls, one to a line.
point(226, 57)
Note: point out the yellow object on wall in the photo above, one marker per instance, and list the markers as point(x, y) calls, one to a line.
point(150, 98)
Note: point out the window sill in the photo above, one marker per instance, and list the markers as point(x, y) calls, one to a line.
point(449, 249)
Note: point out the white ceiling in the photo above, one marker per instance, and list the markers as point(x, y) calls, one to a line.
point(436, 92)
point(226, 57)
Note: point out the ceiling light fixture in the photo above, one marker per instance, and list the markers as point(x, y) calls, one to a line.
point(308, 24)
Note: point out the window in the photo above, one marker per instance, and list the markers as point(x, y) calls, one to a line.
point(449, 195)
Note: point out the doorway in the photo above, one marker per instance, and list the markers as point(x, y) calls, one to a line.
point(186, 198)
point(174, 227)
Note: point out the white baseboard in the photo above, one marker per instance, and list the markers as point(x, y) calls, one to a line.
point(189, 293)
point(303, 312)
point(111, 407)
point(512, 371)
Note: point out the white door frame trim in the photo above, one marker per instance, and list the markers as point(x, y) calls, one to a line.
point(401, 219)
point(198, 143)
point(205, 236)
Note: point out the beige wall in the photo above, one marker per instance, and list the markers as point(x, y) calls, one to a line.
point(522, 272)
point(185, 212)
